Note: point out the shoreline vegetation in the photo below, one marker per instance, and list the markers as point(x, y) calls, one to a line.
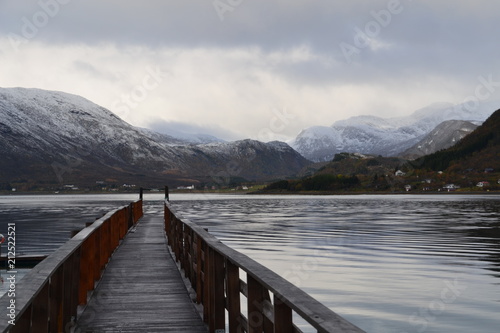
point(264, 192)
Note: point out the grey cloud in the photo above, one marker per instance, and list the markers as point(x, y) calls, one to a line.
point(452, 40)
point(427, 34)
point(90, 69)
point(176, 128)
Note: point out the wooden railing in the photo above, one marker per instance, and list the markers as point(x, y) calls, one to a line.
point(47, 298)
point(213, 270)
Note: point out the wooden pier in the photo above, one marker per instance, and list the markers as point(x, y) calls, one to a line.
point(118, 275)
point(141, 289)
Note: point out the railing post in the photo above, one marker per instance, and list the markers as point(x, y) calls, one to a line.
point(283, 319)
point(199, 263)
point(207, 294)
point(168, 224)
point(130, 215)
point(219, 306)
point(68, 284)
point(39, 322)
point(233, 296)
point(85, 274)
point(167, 196)
point(55, 296)
point(141, 193)
point(23, 323)
point(255, 315)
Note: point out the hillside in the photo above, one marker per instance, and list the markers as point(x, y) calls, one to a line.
point(445, 135)
point(477, 151)
point(346, 172)
point(49, 138)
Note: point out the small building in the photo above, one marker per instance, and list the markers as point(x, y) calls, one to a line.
point(451, 187)
point(483, 184)
point(408, 188)
point(186, 187)
point(399, 173)
point(488, 170)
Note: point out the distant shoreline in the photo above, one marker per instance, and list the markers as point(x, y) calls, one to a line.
point(260, 192)
point(376, 193)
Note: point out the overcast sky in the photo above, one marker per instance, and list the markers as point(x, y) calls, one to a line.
point(253, 68)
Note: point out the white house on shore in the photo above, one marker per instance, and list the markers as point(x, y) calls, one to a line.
point(399, 173)
point(186, 187)
point(451, 187)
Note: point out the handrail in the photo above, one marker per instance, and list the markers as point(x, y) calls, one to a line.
point(213, 270)
point(47, 298)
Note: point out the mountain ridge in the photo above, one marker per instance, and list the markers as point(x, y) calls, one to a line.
point(479, 150)
point(381, 136)
point(445, 135)
point(55, 137)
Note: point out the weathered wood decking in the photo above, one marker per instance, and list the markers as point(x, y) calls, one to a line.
point(141, 289)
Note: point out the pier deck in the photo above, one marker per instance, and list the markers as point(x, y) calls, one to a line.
point(141, 289)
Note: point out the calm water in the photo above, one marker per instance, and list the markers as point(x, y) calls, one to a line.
point(386, 263)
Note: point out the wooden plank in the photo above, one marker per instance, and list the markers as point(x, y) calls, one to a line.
point(255, 315)
point(23, 322)
point(233, 296)
point(75, 281)
point(86, 274)
point(199, 262)
point(283, 318)
point(96, 240)
point(141, 289)
point(68, 284)
point(55, 297)
point(206, 283)
point(40, 315)
point(219, 311)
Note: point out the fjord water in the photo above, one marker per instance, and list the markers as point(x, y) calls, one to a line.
point(387, 263)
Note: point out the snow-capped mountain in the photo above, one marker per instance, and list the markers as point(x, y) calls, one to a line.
point(445, 135)
point(57, 137)
point(379, 136)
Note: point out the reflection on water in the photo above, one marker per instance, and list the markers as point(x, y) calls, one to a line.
point(386, 263)
point(44, 223)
